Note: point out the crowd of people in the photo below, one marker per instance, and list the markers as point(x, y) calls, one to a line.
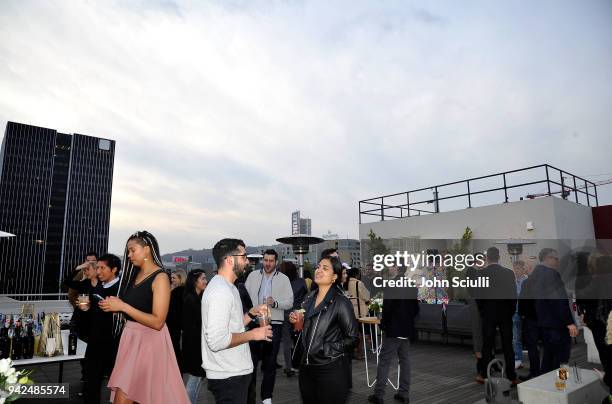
point(157, 335)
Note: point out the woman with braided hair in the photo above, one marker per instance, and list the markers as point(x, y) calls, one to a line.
point(146, 370)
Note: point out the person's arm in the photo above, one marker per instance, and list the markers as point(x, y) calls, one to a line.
point(364, 293)
point(161, 301)
point(285, 298)
point(217, 334)
point(348, 323)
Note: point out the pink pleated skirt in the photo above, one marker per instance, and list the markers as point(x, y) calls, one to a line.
point(146, 369)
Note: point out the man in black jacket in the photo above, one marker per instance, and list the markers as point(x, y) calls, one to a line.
point(497, 306)
point(102, 345)
point(527, 312)
point(555, 320)
point(400, 307)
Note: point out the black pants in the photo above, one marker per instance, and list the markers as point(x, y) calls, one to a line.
point(488, 337)
point(99, 362)
point(393, 348)
point(557, 345)
point(532, 336)
point(232, 390)
point(324, 384)
point(266, 352)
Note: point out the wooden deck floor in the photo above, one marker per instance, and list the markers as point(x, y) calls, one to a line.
point(441, 373)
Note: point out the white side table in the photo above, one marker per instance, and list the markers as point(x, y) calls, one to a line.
point(542, 389)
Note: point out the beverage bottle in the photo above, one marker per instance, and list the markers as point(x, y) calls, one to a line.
point(28, 343)
point(16, 348)
point(72, 341)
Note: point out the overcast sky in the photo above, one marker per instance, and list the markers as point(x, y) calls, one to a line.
point(230, 115)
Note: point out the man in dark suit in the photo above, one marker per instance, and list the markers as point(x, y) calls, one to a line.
point(497, 305)
point(555, 320)
point(400, 307)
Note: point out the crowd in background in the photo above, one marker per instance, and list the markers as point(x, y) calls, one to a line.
point(157, 335)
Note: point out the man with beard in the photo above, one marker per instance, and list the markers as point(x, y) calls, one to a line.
point(225, 355)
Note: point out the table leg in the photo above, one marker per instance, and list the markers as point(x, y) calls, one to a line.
point(365, 356)
point(61, 372)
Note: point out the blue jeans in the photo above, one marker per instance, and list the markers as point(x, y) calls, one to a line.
point(516, 337)
point(192, 385)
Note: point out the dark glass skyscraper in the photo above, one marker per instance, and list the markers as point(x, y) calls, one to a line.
point(55, 196)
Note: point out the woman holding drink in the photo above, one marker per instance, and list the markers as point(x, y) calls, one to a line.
point(146, 370)
point(329, 332)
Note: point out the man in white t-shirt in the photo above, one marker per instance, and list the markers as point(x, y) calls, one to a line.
point(225, 353)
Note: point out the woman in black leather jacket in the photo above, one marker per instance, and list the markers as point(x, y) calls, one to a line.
point(330, 332)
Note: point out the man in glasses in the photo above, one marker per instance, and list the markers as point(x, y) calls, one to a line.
point(226, 356)
point(552, 307)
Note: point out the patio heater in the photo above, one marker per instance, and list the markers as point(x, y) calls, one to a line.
point(515, 247)
point(300, 244)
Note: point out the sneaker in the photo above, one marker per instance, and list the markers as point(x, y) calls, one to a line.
point(289, 372)
point(267, 401)
point(401, 398)
point(375, 399)
point(515, 382)
point(479, 379)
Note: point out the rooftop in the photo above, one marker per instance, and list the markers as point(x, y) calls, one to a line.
point(441, 373)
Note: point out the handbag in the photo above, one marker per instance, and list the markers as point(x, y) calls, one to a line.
point(50, 343)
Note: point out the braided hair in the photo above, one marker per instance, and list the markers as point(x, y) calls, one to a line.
point(144, 238)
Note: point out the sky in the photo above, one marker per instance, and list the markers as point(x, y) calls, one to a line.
point(230, 115)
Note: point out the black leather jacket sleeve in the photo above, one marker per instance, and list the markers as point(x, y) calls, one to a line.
point(347, 323)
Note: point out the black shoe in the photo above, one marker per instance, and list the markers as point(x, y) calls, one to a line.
point(289, 372)
point(524, 378)
point(375, 399)
point(401, 398)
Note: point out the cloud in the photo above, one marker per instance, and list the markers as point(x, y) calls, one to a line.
point(228, 116)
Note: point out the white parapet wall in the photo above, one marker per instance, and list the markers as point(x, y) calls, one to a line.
point(551, 221)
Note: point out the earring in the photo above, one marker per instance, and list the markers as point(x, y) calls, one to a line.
point(146, 259)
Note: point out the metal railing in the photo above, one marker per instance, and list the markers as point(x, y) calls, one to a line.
point(567, 182)
point(36, 296)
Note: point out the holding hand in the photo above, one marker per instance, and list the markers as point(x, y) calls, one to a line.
point(261, 310)
point(270, 301)
point(573, 331)
point(292, 317)
point(111, 303)
point(262, 333)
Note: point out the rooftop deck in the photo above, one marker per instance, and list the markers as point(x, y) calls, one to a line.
point(441, 373)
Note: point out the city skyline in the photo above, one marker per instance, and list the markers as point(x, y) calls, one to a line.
point(228, 118)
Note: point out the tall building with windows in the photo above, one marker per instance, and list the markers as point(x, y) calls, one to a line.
point(55, 196)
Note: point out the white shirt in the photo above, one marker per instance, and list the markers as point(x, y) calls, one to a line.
point(221, 317)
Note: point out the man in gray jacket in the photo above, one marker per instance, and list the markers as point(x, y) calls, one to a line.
point(269, 286)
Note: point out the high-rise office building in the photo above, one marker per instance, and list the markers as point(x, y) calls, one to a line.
point(300, 225)
point(55, 196)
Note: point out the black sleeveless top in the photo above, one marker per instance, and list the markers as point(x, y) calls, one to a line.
point(140, 296)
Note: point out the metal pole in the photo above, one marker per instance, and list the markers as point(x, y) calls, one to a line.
point(408, 202)
point(436, 205)
point(586, 187)
point(505, 189)
point(547, 179)
point(469, 195)
point(301, 264)
point(575, 190)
